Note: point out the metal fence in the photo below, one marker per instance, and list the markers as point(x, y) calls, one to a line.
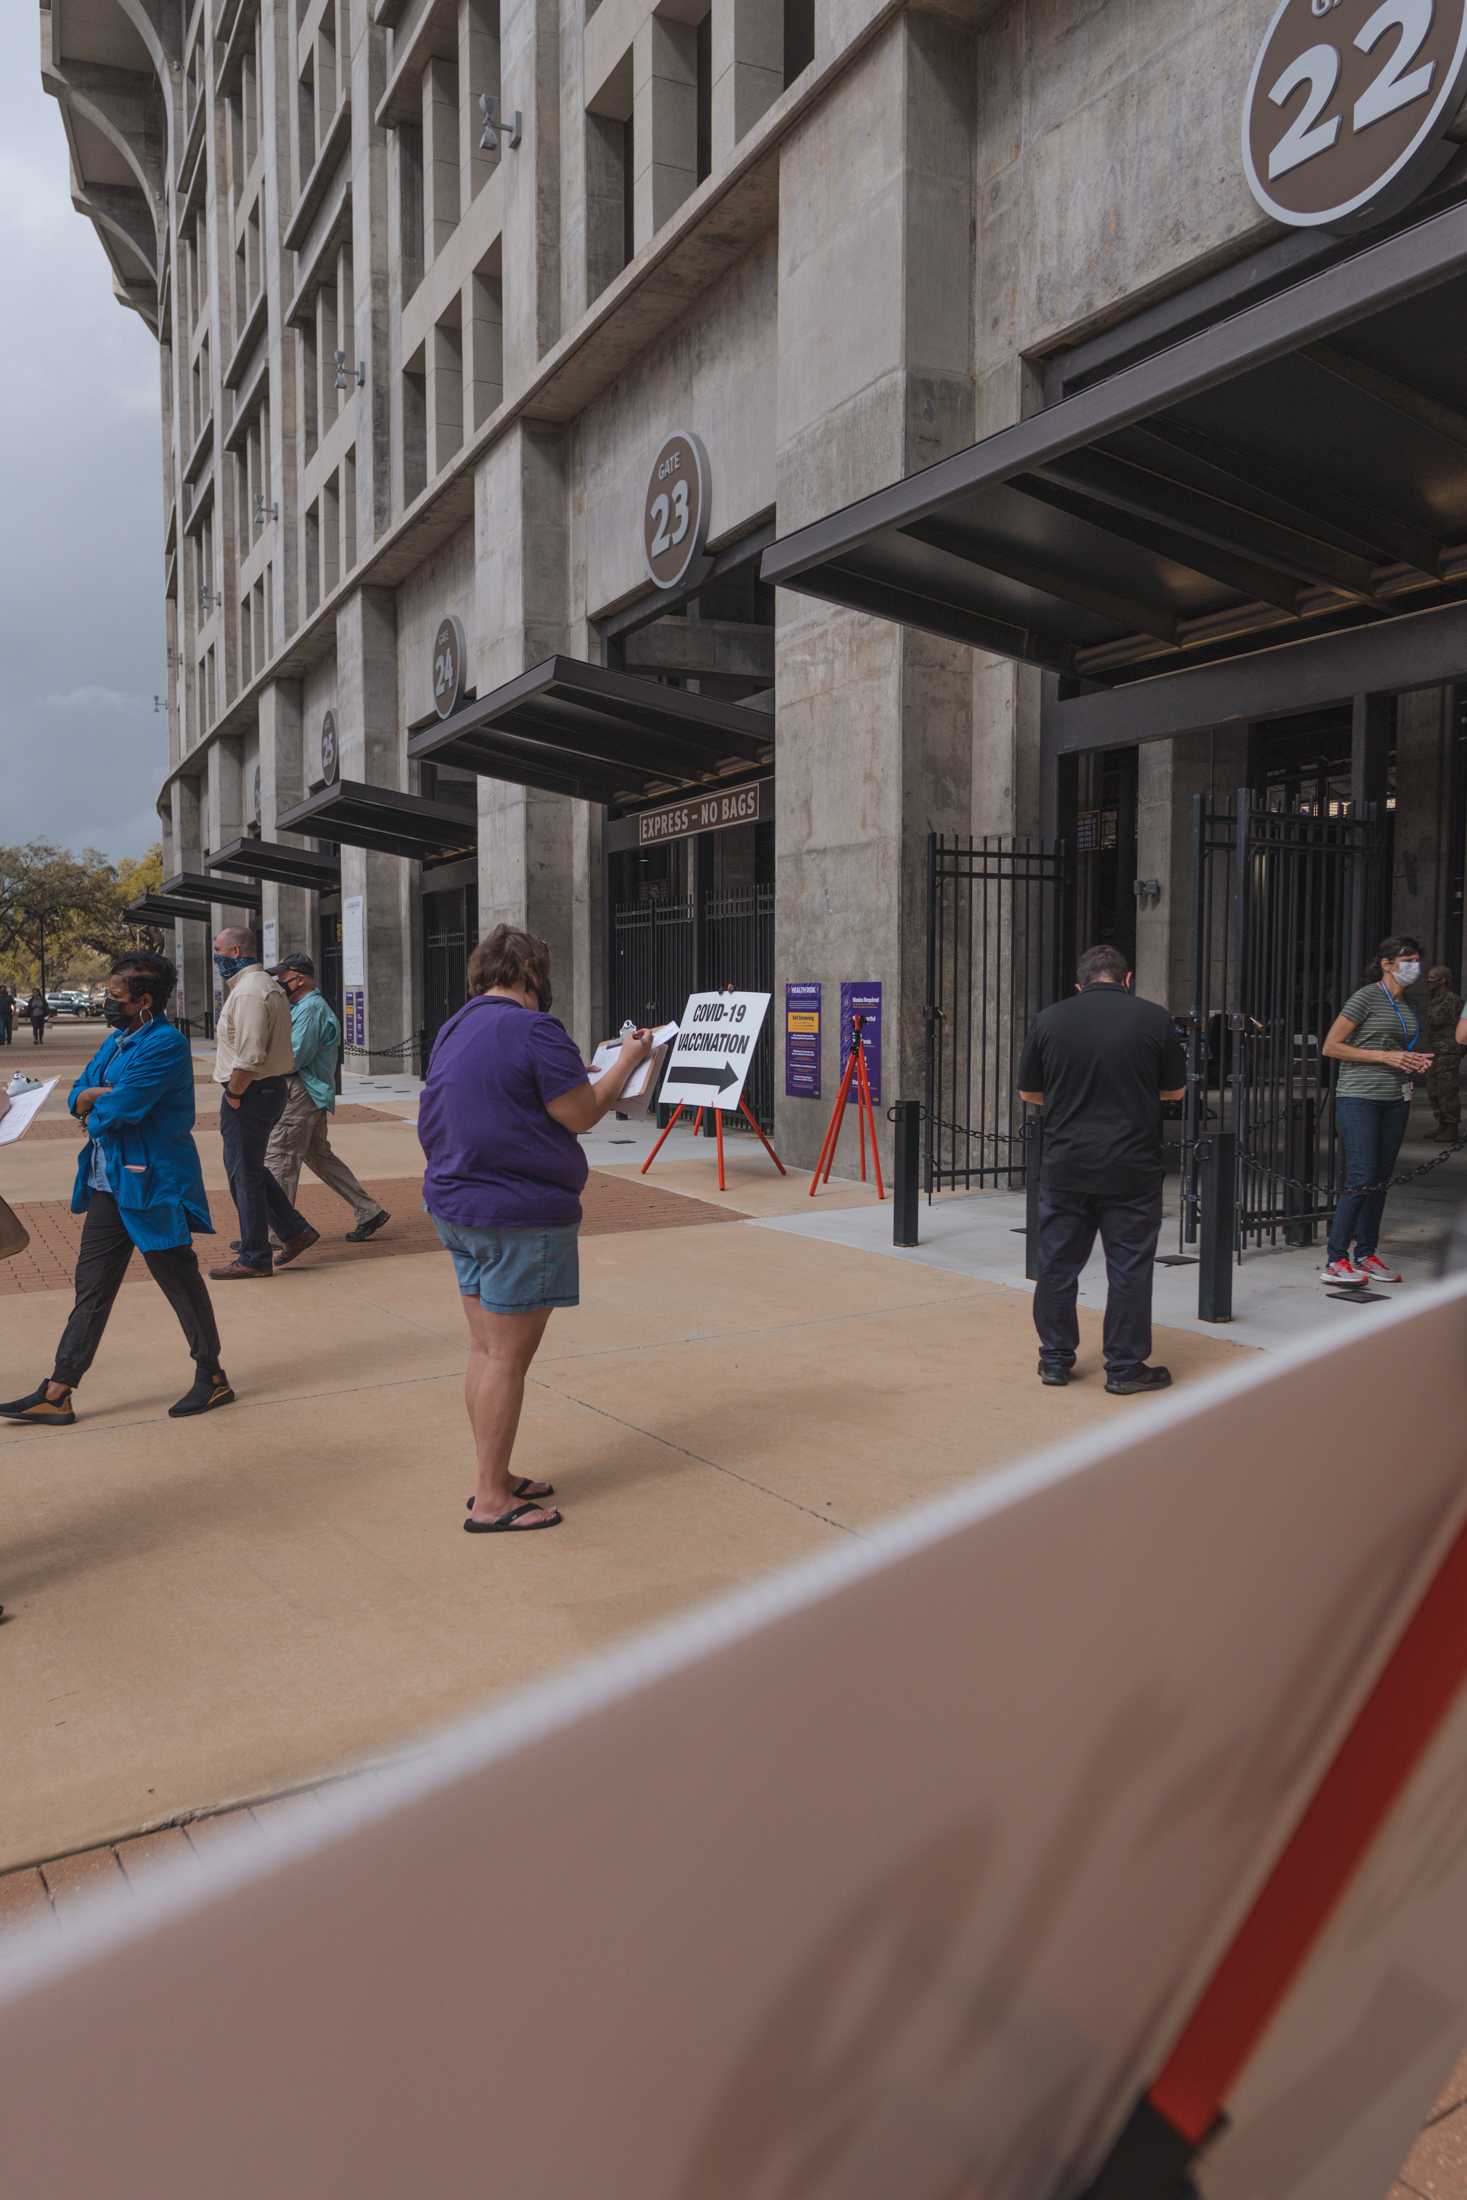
point(994, 940)
point(1279, 918)
point(661, 951)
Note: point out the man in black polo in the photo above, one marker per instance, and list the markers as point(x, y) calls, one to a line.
point(1100, 1066)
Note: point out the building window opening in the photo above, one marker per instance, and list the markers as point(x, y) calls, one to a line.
point(799, 38)
point(704, 81)
point(410, 205)
point(414, 427)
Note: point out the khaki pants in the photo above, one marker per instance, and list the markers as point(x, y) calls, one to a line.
point(299, 1140)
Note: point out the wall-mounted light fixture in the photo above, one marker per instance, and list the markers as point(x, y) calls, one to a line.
point(207, 597)
point(495, 125)
point(343, 373)
point(157, 704)
point(264, 511)
point(1147, 892)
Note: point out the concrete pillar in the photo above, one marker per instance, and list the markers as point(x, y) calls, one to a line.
point(875, 720)
point(478, 73)
point(282, 784)
point(370, 289)
point(367, 735)
point(748, 68)
point(1169, 775)
point(530, 63)
point(191, 946)
point(223, 819)
point(664, 122)
point(440, 154)
point(1420, 863)
point(539, 854)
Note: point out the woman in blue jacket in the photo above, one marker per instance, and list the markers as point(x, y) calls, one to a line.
point(139, 1184)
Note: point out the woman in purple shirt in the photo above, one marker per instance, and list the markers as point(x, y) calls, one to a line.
point(504, 1101)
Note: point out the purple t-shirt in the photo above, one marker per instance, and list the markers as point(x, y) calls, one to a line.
point(496, 1160)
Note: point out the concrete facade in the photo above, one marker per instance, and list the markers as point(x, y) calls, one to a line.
point(409, 371)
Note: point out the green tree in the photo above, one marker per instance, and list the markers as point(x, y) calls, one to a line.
point(58, 909)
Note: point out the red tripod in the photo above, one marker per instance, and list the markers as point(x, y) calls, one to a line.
point(748, 1115)
point(865, 1115)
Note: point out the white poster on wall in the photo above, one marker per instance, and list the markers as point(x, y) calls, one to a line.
point(271, 943)
point(353, 942)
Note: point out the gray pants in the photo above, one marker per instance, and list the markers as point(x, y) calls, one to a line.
point(300, 1140)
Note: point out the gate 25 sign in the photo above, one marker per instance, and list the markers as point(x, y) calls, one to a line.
point(1348, 107)
point(675, 512)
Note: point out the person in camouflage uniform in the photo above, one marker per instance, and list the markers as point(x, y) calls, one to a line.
point(1443, 1079)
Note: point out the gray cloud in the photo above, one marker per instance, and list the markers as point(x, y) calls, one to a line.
point(81, 558)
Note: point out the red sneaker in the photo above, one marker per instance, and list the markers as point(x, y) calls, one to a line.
point(1375, 1270)
point(1342, 1271)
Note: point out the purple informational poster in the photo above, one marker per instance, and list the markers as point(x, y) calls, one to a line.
point(802, 1042)
point(861, 998)
point(354, 1016)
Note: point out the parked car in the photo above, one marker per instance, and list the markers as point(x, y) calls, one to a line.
point(68, 1004)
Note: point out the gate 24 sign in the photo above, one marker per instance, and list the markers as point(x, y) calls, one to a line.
point(1348, 107)
point(675, 512)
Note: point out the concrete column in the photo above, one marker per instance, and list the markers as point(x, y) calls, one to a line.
point(875, 720)
point(748, 68)
point(664, 122)
point(440, 154)
point(282, 784)
point(191, 947)
point(367, 734)
point(478, 72)
point(539, 854)
point(370, 289)
point(223, 819)
point(482, 309)
point(530, 63)
point(1170, 774)
point(1420, 854)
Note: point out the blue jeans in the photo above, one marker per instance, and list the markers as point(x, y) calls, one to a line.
point(1370, 1132)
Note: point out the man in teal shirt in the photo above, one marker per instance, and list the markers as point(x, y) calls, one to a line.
point(299, 1140)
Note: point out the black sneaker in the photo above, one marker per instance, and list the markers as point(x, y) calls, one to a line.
point(207, 1392)
point(1140, 1379)
point(1052, 1377)
point(39, 1410)
point(369, 1228)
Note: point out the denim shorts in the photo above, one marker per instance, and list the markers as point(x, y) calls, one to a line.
point(515, 1271)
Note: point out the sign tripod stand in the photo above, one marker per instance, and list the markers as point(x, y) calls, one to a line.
point(865, 1115)
point(708, 1065)
point(717, 1113)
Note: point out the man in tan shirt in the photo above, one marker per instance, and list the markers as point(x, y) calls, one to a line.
point(253, 1058)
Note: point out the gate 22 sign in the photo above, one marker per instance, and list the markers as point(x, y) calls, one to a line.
point(1348, 107)
point(675, 512)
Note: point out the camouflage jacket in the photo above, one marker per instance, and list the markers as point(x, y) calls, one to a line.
point(1440, 1023)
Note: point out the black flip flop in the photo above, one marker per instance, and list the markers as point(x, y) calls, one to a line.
point(522, 1488)
point(505, 1524)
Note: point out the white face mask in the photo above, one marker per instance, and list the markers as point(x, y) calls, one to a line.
point(1407, 973)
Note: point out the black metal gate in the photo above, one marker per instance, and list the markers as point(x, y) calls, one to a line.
point(995, 940)
point(1279, 919)
point(661, 951)
point(450, 925)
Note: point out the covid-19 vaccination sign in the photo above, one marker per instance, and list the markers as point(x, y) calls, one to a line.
point(714, 1050)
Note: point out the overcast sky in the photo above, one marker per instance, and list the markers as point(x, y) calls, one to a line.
point(81, 571)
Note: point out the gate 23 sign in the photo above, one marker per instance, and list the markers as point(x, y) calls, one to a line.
point(1348, 106)
point(675, 511)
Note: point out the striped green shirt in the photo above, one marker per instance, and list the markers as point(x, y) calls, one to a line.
point(1373, 1012)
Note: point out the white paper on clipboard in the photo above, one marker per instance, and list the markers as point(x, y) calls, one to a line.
point(636, 1085)
point(23, 1110)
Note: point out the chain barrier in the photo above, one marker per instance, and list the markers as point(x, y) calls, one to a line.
point(403, 1048)
point(1320, 1196)
point(956, 1130)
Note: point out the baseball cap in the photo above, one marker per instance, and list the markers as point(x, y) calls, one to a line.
point(302, 963)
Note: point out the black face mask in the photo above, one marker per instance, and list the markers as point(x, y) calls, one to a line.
point(115, 1014)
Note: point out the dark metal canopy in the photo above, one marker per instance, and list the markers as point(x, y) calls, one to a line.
point(1296, 470)
point(573, 728)
point(385, 820)
point(202, 886)
point(272, 859)
point(166, 909)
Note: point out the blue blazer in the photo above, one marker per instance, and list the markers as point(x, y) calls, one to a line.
point(144, 1127)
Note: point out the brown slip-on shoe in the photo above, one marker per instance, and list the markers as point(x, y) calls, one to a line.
point(236, 1272)
point(39, 1411)
point(294, 1247)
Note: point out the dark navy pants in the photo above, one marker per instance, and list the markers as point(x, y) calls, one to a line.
point(258, 1200)
point(1128, 1230)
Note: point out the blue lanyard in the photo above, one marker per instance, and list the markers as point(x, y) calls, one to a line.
point(1410, 1037)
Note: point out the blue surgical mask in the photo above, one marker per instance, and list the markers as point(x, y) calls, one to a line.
point(230, 966)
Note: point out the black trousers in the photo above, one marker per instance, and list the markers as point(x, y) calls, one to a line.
point(101, 1265)
point(1129, 1230)
point(259, 1202)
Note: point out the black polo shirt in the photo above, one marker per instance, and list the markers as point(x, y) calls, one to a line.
point(1103, 1059)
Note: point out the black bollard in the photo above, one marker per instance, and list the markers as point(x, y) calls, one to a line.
point(1219, 1229)
point(907, 1116)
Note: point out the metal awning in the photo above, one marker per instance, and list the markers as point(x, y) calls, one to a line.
point(1296, 470)
point(385, 820)
point(166, 909)
point(573, 728)
point(273, 860)
point(202, 886)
